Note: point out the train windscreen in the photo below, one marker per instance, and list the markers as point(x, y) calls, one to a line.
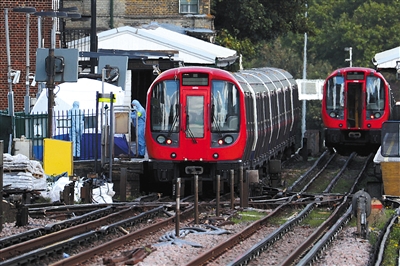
point(375, 94)
point(335, 96)
point(164, 106)
point(224, 106)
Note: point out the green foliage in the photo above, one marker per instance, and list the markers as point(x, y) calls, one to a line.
point(376, 226)
point(368, 27)
point(313, 115)
point(224, 38)
point(316, 217)
point(248, 216)
point(272, 33)
point(259, 20)
point(392, 247)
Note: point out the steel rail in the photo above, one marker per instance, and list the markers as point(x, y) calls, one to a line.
point(83, 256)
point(49, 240)
point(235, 239)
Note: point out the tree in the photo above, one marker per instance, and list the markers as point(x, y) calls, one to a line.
point(259, 20)
point(369, 27)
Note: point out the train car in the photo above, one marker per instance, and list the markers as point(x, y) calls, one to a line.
point(356, 101)
point(206, 121)
point(387, 158)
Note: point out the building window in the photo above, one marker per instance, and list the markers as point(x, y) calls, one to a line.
point(189, 6)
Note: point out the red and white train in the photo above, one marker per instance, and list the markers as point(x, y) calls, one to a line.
point(356, 102)
point(208, 121)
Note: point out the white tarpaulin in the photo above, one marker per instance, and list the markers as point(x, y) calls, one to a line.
point(83, 91)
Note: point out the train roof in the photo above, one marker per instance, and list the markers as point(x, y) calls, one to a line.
point(351, 69)
point(258, 78)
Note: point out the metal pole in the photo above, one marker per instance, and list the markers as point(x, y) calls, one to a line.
point(93, 36)
point(1, 184)
point(177, 211)
point(96, 146)
point(232, 189)
point(27, 100)
point(40, 45)
point(218, 194)
point(10, 95)
point(241, 185)
point(122, 183)
point(111, 157)
point(196, 199)
point(304, 109)
point(39, 31)
point(50, 81)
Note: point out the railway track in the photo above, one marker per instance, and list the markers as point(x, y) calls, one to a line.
point(250, 243)
point(307, 245)
point(62, 237)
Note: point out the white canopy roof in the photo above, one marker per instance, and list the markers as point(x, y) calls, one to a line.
point(387, 59)
point(155, 38)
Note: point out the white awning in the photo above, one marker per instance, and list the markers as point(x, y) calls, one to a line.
point(155, 38)
point(387, 59)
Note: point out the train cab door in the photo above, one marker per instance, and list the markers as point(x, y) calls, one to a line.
point(194, 140)
point(354, 104)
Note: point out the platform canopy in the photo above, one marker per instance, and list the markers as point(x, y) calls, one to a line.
point(153, 37)
point(387, 59)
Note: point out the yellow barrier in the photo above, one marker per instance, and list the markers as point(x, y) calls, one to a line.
point(57, 157)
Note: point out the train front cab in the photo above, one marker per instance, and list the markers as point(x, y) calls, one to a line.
point(355, 104)
point(195, 126)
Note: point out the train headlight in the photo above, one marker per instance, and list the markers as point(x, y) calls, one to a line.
point(377, 115)
point(173, 155)
point(161, 139)
point(228, 139)
point(215, 155)
point(332, 114)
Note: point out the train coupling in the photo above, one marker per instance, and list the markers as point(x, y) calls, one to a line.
point(194, 170)
point(354, 135)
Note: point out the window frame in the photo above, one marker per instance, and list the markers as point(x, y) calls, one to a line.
point(189, 3)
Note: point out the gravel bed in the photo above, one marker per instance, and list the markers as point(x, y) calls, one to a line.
point(347, 249)
point(10, 228)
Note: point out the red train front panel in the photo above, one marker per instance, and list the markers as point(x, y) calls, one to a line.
point(356, 101)
point(194, 115)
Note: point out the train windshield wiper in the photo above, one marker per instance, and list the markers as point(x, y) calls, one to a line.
point(214, 121)
point(188, 131)
point(176, 116)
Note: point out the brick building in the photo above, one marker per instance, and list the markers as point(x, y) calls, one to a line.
point(192, 16)
point(17, 24)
